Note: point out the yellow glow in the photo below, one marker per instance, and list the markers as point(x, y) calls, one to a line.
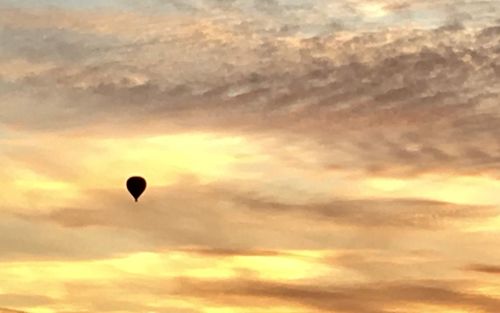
point(373, 9)
point(487, 225)
point(386, 184)
point(167, 265)
point(488, 286)
point(163, 158)
point(30, 277)
point(40, 310)
point(106, 163)
point(455, 189)
point(286, 267)
point(32, 181)
point(298, 265)
point(33, 191)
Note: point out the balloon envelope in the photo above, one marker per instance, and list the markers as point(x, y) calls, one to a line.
point(136, 186)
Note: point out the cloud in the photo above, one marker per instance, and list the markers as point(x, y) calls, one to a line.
point(4, 310)
point(24, 301)
point(369, 298)
point(377, 212)
point(228, 218)
point(190, 214)
point(232, 252)
point(484, 268)
point(22, 240)
point(50, 44)
point(400, 101)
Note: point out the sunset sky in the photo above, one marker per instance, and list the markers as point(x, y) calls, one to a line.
point(302, 156)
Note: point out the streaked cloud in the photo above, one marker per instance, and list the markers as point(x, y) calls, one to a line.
point(484, 268)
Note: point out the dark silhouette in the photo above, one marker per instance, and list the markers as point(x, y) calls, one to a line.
point(136, 186)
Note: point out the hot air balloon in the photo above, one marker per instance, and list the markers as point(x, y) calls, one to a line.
point(136, 186)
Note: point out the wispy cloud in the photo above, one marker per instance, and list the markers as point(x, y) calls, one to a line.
point(484, 268)
point(359, 298)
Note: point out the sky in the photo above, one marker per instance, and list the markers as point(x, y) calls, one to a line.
point(301, 156)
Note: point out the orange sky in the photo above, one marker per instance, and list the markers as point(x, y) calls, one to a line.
point(301, 156)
